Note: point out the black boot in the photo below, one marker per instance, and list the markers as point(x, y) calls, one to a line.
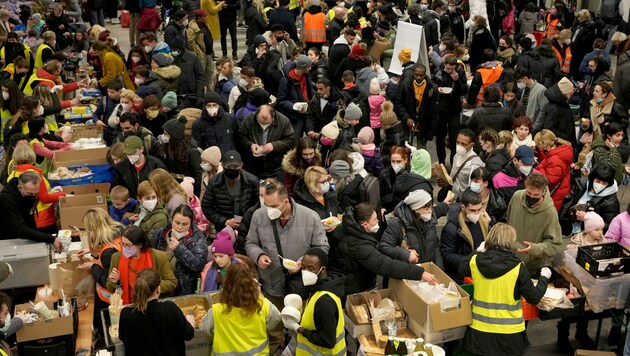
point(585, 341)
point(614, 337)
point(563, 343)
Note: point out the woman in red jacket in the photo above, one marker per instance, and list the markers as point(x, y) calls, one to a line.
point(555, 156)
point(23, 161)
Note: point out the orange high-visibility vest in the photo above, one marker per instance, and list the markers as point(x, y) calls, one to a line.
point(101, 291)
point(553, 29)
point(488, 76)
point(314, 29)
point(565, 63)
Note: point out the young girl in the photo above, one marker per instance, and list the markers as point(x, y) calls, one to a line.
point(376, 101)
point(511, 102)
point(167, 188)
point(370, 152)
point(215, 271)
point(195, 204)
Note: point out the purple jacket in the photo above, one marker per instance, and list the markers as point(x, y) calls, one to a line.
point(619, 229)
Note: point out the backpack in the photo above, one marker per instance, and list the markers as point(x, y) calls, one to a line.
point(242, 100)
point(366, 186)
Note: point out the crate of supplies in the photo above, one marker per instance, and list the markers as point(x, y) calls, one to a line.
point(579, 301)
point(29, 261)
point(604, 260)
point(86, 131)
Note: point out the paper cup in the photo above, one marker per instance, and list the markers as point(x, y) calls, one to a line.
point(41, 309)
point(114, 314)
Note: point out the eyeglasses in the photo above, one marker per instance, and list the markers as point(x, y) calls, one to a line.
point(126, 244)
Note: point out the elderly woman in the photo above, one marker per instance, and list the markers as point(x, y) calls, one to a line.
point(501, 282)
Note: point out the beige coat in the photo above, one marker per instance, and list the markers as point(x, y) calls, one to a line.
point(196, 42)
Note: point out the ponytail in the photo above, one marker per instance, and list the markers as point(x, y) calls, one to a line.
point(147, 282)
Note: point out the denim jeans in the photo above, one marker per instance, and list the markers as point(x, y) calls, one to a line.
point(97, 18)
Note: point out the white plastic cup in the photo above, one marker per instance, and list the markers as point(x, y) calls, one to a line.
point(42, 310)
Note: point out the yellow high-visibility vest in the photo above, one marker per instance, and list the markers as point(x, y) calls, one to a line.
point(305, 347)
point(238, 334)
point(494, 309)
point(39, 62)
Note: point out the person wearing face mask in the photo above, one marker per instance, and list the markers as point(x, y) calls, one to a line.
point(185, 246)
point(557, 115)
point(562, 47)
point(124, 106)
point(146, 82)
point(264, 138)
point(399, 159)
point(168, 73)
point(176, 28)
point(294, 93)
point(412, 236)
point(453, 21)
point(605, 109)
point(532, 93)
point(151, 116)
point(358, 257)
point(18, 198)
point(192, 81)
point(180, 157)
point(136, 168)
point(240, 95)
point(532, 214)
point(598, 193)
point(215, 126)
point(150, 214)
point(321, 328)
point(430, 21)
point(210, 165)
point(230, 193)
point(298, 160)
point(8, 325)
point(313, 191)
point(466, 229)
point(555, 21)
point(555, 156)
point(465, 161)
point(492, 200)
point(493, 153)
point(136, 255)
point(512, 177)
point(506, 53)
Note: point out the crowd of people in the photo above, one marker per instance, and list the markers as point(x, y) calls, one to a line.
point(303, 168)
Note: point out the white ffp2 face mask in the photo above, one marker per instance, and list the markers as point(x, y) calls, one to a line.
point(149, 204)
point(309, 278)
point(473, 217)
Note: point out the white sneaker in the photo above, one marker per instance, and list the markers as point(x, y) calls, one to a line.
point(115, 21)
point(108, 20)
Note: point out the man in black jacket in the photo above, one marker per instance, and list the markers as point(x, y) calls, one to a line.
point(136, 168)
point(420, 117)
point(227, 21)
point(465, 230)
point(322, 108)
point(282, 15)
point(215, 126)
point(129, 126)
point(192, 79)
point(175, 29)
point(229, 193)
point(18, 201)
point(265, 137)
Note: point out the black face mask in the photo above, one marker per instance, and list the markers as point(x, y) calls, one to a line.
point(232, 173)
point(279, 39)
point(529, 201)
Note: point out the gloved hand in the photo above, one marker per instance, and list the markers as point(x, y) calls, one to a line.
point(290, 324)
point(57, 88)
point(482, 247)
point(545, 272)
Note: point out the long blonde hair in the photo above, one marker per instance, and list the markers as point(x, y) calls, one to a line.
point(312, 176)
point(546, 138)
point(100, 227)
point(43, 93)
point(166, 186)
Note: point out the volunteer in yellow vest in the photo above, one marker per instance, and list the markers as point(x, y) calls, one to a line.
point(238, 323)
point(321, 330)
point(13, 48)
point(24, 160)
point(104, 239)
point(314, 34)
point(45, 50)
point(501, 282)
point(562, 47)
point(10, 104)
point(18, 71)
point(49, 76)
point(44, 148)
point(554, 21)
point(488, 72)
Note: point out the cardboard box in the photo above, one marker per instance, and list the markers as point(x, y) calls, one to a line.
point(353, 326)
point(77, 157)
point(86, 131)
point(95, 188)
point(72, 208)
point(45, 328)
point(431, 321)
point(593, 353)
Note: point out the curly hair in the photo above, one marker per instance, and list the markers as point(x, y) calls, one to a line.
point(241, 290)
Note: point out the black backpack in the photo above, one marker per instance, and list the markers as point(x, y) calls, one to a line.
point(366, 186)
point(242, 100)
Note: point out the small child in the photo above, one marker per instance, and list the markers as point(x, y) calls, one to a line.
point(376, 100)
point(33, 41)
point(222, 257)
point(195, 204)
point(122, 206)
point(369, 151)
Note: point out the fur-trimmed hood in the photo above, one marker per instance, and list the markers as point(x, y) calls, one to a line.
point(289, 168)
point(169, 72)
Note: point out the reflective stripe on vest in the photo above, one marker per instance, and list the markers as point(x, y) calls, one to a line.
point(305, 347)
point(103, 293)
point(45, 164)
point(488, 76)
point(494, 309)
point(314, 29)
point(40, 206)
point(565, 63)
point(39, 62)
point(51, 121)
point(552, 31)
point(230, 328)
point(10, 68)
point(28, 90)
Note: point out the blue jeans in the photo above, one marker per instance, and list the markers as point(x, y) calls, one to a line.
point(97, 17)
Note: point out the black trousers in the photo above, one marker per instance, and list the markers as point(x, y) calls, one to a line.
point(231, 26)
point(447, 125)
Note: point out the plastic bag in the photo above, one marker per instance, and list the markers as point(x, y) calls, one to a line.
point(555, 298)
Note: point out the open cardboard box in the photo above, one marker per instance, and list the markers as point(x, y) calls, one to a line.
point(72, 208)
point(94, 188)
point(77, 157)
point(44, 329)
point(433, 322)
point(353, 326)
point(593, 353)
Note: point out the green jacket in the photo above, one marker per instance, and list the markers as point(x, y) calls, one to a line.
point(611, 156)
point(537, 225)
point(156, 219)
point(160, 262)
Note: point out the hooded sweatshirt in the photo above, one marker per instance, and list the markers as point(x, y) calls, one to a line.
point(538, 225)
point(326, 314)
